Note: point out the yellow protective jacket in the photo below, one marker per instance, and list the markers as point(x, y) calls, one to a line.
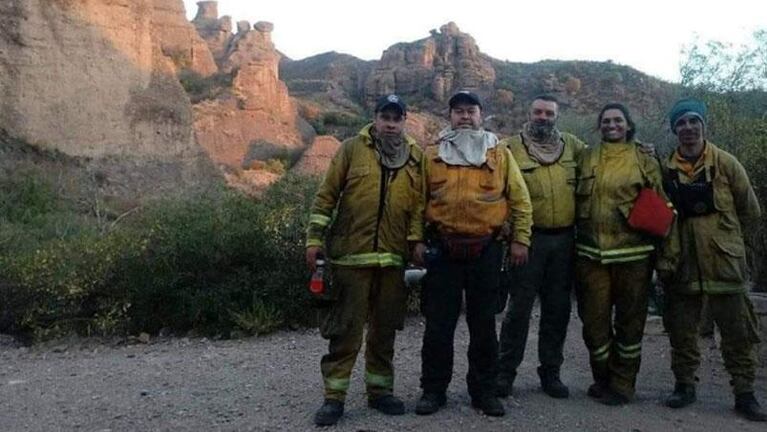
point(551, 187)
point(610, 177)
point(713, 255)
point(369, 225)
point(477, 201)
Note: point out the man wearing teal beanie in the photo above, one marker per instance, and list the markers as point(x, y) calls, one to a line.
point(716, 203)
point(687, 107)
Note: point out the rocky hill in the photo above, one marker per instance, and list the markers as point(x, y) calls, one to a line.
point(427, 71)
point(125, 66)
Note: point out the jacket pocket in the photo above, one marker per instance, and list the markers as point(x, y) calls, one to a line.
point(723, 200)
point(357, 174)
point(570, 176)
point(490, 186)
point(534, 187)
point(436, 181)
point(728, 261)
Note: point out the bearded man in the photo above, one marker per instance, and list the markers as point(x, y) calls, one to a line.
point(547, 159)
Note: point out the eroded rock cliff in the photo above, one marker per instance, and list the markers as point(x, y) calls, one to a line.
point(90, 78)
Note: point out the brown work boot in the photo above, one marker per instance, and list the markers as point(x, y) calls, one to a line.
point(747, 406)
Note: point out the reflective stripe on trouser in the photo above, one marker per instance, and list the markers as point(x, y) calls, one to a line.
point(444, 288)
point(735, 318)
point(614, 255)
point(373, 295)
point(614, 346)
point(548, 275)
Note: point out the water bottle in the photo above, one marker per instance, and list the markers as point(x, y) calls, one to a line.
point(317, 283)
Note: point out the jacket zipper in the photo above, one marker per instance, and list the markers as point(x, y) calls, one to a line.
point(385, 176)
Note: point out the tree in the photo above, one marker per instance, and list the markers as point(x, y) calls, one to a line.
point(721, 67)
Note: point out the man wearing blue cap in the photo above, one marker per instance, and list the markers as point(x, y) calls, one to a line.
point(716, 204)
point(369, 209)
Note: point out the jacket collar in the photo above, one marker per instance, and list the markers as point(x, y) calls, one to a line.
point(709, 157)
point(367, 136)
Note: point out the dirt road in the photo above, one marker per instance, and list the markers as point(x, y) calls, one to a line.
point(272, 383)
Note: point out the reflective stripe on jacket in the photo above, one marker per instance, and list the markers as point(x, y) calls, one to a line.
point(610, 178)
point(365, 228)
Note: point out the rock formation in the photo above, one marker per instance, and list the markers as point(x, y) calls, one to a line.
point(446, 61)
point(179, 40)
point(424, 127)
point(249, 46)
point(217, 32)
point(316, 159)
point(257, 119)
point(91, 79)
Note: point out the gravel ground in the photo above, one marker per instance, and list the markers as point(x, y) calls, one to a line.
point(273, 383)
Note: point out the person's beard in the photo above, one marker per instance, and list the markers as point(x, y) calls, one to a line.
point(391, 141)
point(541, 128)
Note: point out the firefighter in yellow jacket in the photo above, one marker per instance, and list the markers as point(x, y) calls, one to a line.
point(614, 262)
point(371, 203)
point(717, 205)
point(547, 159)
point(473, 186)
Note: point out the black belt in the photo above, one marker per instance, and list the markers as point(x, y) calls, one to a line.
point(559, 230)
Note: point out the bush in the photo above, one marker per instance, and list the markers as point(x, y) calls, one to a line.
point(213, 264)
point(200, 88)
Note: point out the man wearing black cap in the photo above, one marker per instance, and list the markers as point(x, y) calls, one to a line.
point(474, 188)
point(369, 208)
point(716, 204)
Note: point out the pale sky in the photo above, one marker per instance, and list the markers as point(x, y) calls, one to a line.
point(647, 35)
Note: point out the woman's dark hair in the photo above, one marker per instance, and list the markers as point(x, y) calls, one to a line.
point(632, 130)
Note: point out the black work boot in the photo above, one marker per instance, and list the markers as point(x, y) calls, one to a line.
point(612, 398)
point(387, 404)
point(504, 385)
point(597, 390)
point(329, 413)
point(683, 395)
point(489, 405)
point(551, 384)
point(429, 403)
point(747, 406)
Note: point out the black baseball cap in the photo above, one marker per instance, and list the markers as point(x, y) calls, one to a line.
point(465, 96)
point(391, 101)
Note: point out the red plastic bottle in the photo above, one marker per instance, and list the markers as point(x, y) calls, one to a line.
point(317, 283)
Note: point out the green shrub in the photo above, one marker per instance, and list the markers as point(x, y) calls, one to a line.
point(260, 318)
point(200, 88)
point(212, 264)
